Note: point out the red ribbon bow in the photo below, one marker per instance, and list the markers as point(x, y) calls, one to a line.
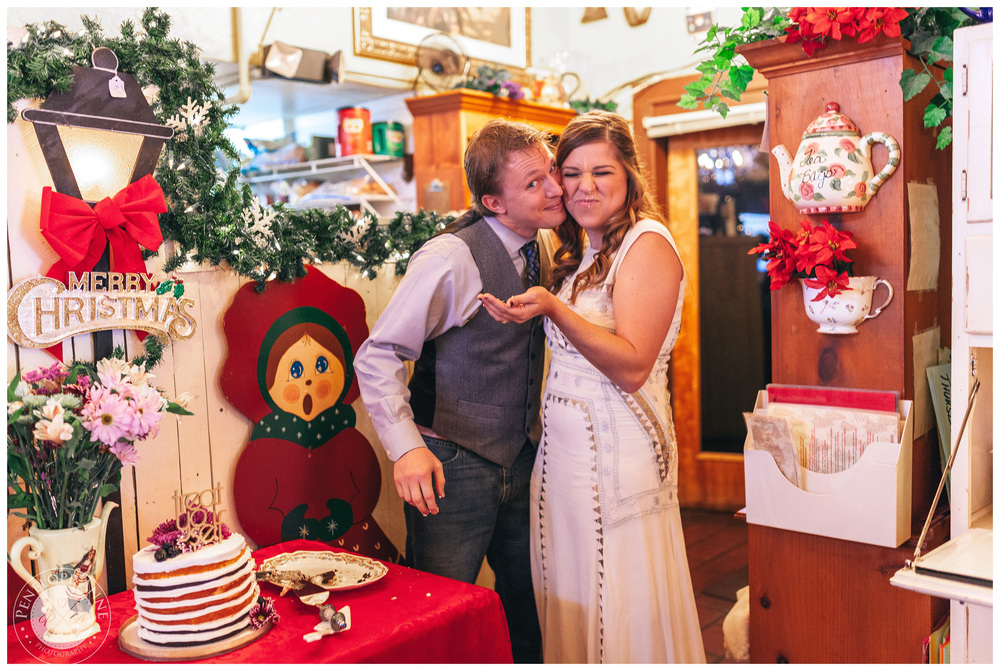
point(79, 233)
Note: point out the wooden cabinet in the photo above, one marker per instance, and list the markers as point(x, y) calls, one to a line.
point(442, 126)
point(961, 570)
point(972, 317)
point(815, 599)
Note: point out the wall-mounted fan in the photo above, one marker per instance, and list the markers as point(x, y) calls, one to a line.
point(441, 63)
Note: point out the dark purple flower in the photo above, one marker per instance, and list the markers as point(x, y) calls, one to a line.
point(263, 612)
point(168, 533)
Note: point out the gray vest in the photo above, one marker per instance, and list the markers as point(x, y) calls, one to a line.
point(479, 385)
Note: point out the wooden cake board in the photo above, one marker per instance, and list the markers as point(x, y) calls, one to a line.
point(129, 641)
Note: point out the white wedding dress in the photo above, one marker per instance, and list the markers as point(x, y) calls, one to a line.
point(608, 560)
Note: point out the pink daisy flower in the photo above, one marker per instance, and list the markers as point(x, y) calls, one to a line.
point(146, 411)
point(107, 416)
point(126, 453)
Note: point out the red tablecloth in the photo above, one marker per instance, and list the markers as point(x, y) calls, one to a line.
point(407, 616)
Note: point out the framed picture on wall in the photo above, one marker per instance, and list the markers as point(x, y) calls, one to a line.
point(491, 35)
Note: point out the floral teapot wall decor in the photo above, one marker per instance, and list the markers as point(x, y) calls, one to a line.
point(832, 170)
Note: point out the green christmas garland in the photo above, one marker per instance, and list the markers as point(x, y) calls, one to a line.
point(212, 217)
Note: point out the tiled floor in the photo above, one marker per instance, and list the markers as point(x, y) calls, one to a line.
point(717, 556)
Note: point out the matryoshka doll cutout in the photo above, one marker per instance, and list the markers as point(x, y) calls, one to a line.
point(306, 472)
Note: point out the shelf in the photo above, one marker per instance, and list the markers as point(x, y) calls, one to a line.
point(970, 555)
point(325, 166)
point(329, 166)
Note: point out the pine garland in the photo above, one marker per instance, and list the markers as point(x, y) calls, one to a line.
point(211, 217)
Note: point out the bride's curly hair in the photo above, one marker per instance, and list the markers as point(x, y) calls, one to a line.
point(600, 126)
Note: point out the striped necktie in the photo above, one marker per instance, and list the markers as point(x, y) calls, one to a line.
point(532, 263)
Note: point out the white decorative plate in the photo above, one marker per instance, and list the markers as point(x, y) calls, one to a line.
point(349, 571)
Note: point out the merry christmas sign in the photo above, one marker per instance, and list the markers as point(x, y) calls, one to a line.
point(42, 311)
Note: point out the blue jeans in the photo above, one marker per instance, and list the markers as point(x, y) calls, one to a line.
point(484, 514)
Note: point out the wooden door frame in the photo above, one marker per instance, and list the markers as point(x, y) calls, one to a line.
point(710, 480)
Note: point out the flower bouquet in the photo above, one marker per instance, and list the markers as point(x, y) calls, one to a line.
point(816, 254)
point(69, 432)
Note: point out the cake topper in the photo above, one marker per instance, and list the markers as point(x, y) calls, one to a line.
point(198, 523)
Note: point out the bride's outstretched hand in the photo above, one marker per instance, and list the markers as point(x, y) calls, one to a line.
point(517, 309)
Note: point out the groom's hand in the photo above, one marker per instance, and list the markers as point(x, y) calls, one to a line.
point(418, 475)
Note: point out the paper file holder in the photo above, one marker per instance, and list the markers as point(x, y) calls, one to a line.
point(867, 503)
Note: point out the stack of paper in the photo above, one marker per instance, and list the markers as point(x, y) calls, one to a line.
point(822, 429)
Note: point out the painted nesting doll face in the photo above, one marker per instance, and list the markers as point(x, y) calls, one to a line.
point(308, 379)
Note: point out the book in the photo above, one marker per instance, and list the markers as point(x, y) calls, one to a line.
point(939, 380)
point(860, 399)
point(831, 439)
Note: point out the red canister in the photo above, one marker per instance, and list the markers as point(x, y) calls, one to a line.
point(355, 131)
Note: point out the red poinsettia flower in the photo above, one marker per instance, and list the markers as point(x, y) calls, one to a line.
point(829, 281)
point(827, 244)
point(780, 253)
point(816, 253)
point(833, 22)
point(874, 20)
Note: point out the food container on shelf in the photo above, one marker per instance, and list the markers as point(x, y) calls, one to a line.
point(388, 138)
point(355, 131)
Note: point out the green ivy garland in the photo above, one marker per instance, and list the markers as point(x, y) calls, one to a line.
point(211, 217)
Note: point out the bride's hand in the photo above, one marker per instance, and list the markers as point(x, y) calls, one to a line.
point(520, 308)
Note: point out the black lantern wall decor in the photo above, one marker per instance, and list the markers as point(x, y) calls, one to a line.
point(97, 138)
point(97, 102)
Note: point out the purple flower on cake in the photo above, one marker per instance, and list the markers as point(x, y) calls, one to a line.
point(169, 533)
point(165, 534)
point(263, 612)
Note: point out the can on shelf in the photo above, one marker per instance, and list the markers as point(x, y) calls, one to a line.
point(388, 138)
point(355, 131)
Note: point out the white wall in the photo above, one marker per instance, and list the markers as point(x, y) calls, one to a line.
point(605, 53)
point(609, 52)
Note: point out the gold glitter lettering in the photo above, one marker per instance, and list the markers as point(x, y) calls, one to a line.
point(97, 281)
point(150, 312)
point(132, 282)
point(39, 313)
point(116, 281)
point(176, 326)
point(109, 307)
point(78, 283)
point(72, 306)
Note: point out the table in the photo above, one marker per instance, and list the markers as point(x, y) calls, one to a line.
point(406, 617)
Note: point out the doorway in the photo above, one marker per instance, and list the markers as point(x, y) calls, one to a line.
point(721, 358)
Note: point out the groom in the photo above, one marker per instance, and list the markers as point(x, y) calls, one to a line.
point(470, 415)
